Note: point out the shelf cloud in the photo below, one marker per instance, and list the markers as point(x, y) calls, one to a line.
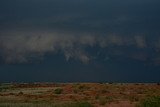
point(22, 47)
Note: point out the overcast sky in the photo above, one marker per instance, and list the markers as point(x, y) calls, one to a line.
point(79, 40)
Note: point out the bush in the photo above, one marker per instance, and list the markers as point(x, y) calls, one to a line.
point(80, 104)
point(20, 93)
point(3, 88)
point(58, 91)
point(158, 83)
point(83, 87)
point(104, 100)
point(150, 102)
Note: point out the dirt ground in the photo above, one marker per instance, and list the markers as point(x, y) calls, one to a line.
point(97, 94)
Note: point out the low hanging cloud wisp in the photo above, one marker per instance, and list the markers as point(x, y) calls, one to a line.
point(21, 47)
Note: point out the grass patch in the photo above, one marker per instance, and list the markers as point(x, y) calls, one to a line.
point(4, 87)
point(150, 102)
point(58, 91)
point(80, 104)
point(104, 100)
point(76, 104)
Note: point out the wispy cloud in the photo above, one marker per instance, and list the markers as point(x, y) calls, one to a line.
point(20, 47)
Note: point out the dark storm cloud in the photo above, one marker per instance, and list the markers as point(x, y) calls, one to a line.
point(32, 28)
point(80, 40)
point(83, 16)
point(23, 46)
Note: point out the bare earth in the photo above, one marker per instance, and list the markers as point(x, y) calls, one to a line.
point(97, 94)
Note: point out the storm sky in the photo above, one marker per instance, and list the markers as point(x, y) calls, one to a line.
point(79, 40)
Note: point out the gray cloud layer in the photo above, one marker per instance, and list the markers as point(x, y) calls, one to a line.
point(20, 47)
point(70, 27)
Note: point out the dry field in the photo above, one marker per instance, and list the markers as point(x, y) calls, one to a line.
point(79, 95)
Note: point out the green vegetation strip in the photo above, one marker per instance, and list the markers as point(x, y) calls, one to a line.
point(76, 104)
point(150, 102)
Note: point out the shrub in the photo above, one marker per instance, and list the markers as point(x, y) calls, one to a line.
point(102, 101)
point(83, 87)
point(80, 104)
point(75, 91)
point(158, 83)
point(3, 88)
point(150, 102)
point(20, 93)
point(58, 91)
point(96, 97)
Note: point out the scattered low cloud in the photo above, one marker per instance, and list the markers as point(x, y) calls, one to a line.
point(21, 47)
point(140, 41)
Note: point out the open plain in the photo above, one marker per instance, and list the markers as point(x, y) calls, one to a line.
point(78, 94)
